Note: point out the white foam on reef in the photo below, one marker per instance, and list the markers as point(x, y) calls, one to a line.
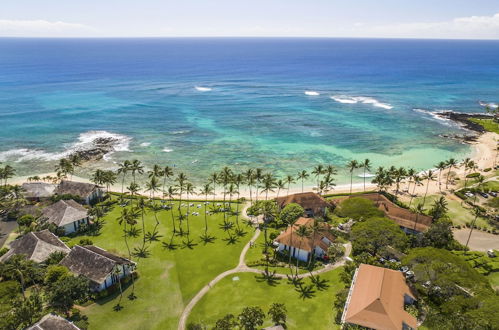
point(367, 175)
point(145, 144)
point(202, 89)
point(434, 115)
point(86, 141)
point(167, 150)
point(361, 99)
point(485, 104)
point(185, 131)
point(312, 93)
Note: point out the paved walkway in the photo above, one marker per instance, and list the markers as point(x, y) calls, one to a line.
point(243, 268)
point(479, 241)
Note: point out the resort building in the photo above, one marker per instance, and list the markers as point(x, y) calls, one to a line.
point(313, 204)
point(303, 248)
point(36, 246)
point(53, 322)
point(88, 192)
point(409, 222)
point(102, 268)
point(38, 191)
point(68, 215)
point(377, 300)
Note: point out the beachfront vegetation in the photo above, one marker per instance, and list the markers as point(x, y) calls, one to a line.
point(490, 125)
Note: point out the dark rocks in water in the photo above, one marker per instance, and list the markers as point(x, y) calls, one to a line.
point(97, 150)
point(460, 137)
point(464, 119)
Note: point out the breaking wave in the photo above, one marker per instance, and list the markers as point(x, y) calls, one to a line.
point(312, 93)
point(361, 99)
point(202, 89)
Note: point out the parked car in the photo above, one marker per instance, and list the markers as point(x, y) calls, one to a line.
point(484, 195)
point(493, 194)
point(468, 194)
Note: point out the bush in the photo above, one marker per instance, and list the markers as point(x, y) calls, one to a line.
point(358, 208)
point(473, 175)
point(86, 241)
point(3, 251)
point(488, 169)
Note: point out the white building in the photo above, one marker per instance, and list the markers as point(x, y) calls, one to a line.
point(68, 215)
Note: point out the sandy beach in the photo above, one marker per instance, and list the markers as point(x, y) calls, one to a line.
point(483, 154)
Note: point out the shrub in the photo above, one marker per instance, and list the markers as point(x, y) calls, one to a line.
point(358, 208)
point(86, 241)
point(473, 175)
point(3, 251)
point(488, 169)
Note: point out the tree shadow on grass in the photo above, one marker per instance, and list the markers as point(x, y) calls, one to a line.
point(306, 291)
point(206, 239)
point(188, 244)
point(231, 240)
point(320, 284)
point(269, 278)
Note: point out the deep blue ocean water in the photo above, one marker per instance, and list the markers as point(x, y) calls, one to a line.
point(279, 104)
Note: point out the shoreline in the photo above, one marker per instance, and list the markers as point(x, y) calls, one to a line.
point(483, 153)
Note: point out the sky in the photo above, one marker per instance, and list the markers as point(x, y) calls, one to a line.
point(446, 19)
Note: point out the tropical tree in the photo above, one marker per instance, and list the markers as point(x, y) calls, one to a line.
point(417, 182)
point(250, 179)
point(303, 175)
point(20, 269)
point(317, 172)
point(280, 185)
point(441, 166)
point(251, 318)
point(451, 163)
point(123, 169)
point(136, 168)
point(269, 183)
point(189, 190)
point(352, 166)
point(167, 174)
point(206, 190)
point(153, 186)
point(170, 193)
point(366, 165)
point(468, 166)
point(289, 214)
point(427, 176)
point(302, 232)
point(214, 180)
point(6, 173)
point(63, 168)
point(289, 180)
point(277, 313)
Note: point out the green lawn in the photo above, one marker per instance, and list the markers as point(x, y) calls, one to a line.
point(494, 279)
point(488, 124)
point(457, 213)
point(168, 279)
point(230, 296)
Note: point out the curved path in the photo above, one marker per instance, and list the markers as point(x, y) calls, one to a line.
point(243, 268)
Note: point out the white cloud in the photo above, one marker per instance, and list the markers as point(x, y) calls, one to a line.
point(42, 28)
point(472, 27)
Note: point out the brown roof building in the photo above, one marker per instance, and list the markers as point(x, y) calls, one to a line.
point(53, 322)
point(408, 220)
point(38, 191)
point(102, 268)
point(377, 298)
point(302, 247)
point(313, 204)
point(86, 191)
point(36, 246)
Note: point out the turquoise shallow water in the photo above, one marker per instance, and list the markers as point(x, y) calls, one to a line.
point(201, 104)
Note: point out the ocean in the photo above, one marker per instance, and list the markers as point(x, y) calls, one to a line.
point(201, 104)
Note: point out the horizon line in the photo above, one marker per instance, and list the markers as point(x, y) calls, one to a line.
point(245, 37)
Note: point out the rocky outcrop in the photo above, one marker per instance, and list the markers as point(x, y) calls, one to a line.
point(97, 149)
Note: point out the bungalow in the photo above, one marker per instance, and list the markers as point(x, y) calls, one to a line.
point(88, 192)
point(53, 322)
point(102, 268)
point(409, 222)
point(36, 246)
point(67, 215)
point(38, 191)
point(377, 298)
point(303, 248)
point(313, 204)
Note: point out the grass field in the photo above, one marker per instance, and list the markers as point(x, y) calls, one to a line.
point(494, 280)
point(457, 213)
point(488, 124)
point(231, 296)
point(168, 279)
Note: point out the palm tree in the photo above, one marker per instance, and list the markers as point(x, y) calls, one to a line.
point(366, 165)
point(451, 163)
point(249, 176)
point(238, 180)
point(440, 167)
point(468, 165)
point(156, 172)
point(152, 186)
point(109, 179)
point(167, 174)
point(280, 185)
point(142, 204)
point(419, 210)
point(171, 193)
point(316, 228)
point(123, 169)
point(289, 181)
point(417, 182)
point(302, 176)
point(214, 180)
point(181, 180)
point(19, 267)
point(318, 171)
point(302, 232)
point(269, 183)
point(352, 165)
point(428, 176)
point(75, 161)
point(206, 190)
point(136, 168)
point(258, 179)
point(128, 216)
point(399, 176)
point(410, 175)
point(63, 168)
point(189, 190)
point(133, 189)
